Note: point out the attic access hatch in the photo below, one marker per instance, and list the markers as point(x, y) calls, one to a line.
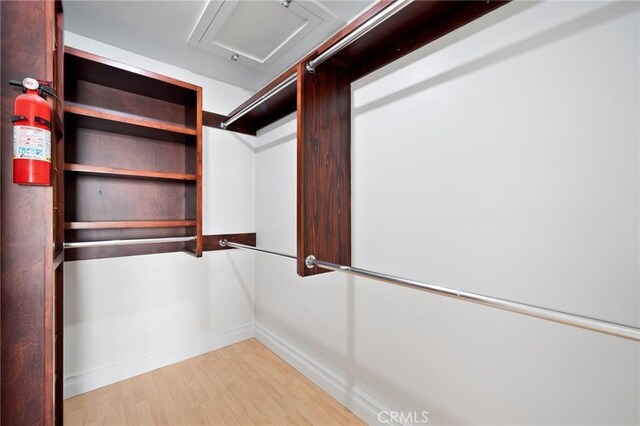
point(262, 33)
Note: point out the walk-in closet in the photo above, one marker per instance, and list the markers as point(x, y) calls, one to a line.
point(325, 212)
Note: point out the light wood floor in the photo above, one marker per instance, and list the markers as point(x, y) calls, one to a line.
point(242, 384)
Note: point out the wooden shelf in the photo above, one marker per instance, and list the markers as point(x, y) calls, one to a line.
point(75, 121)
point(128, 224)
point(112, 171)
point(80, 65)
point(120, 117)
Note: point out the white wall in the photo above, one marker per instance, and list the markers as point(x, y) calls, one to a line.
point(502, 159)
point(124, 316)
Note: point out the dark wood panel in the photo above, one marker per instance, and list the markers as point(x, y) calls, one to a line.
point(59, 345)
point(49, 259)
point(104, 148)
point(212, 242)
point(2, 135)
point(59, 150)
point(104, 198)
point(26, 231)
point(115, 116)
point(199, 176)
point(324, 167)
point(58, 190)
point(353, 25)
point(416, 25)
point(113, 171)
point(279, 105)
point(58, 258)
point(211, 119)
point(193, 194)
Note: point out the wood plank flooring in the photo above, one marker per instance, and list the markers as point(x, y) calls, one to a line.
point(241, 384)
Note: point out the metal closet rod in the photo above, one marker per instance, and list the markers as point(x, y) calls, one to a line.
point(606, 327)
point(311, 66)
point(225, 243)
point(109, 243)
point(293, 77)
point(357, 33)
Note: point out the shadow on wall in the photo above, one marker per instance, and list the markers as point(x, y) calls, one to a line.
point(552, 35)
point(240, 279)
point(242, 141)
point(411, 402)
point(288, 138)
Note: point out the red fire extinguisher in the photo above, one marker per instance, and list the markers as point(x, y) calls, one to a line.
point(32, 133)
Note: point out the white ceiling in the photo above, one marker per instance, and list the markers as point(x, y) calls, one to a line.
point(202, 36)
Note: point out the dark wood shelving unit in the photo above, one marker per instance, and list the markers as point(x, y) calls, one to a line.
point(133, 157)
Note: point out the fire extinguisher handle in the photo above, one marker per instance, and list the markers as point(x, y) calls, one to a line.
point(16, 83)
point(48, 91)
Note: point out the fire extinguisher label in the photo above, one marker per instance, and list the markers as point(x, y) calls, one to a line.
point(31, 143)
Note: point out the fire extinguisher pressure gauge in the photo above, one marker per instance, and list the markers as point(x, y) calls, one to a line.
point(30, 83)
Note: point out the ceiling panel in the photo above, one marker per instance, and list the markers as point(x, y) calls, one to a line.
point(258, 30)
point(262, 30)
point(256, 34)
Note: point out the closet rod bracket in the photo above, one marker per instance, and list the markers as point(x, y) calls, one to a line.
point(310, 261)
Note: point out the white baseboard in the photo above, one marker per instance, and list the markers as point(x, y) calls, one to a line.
point(354, 399)
point(133, 366)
